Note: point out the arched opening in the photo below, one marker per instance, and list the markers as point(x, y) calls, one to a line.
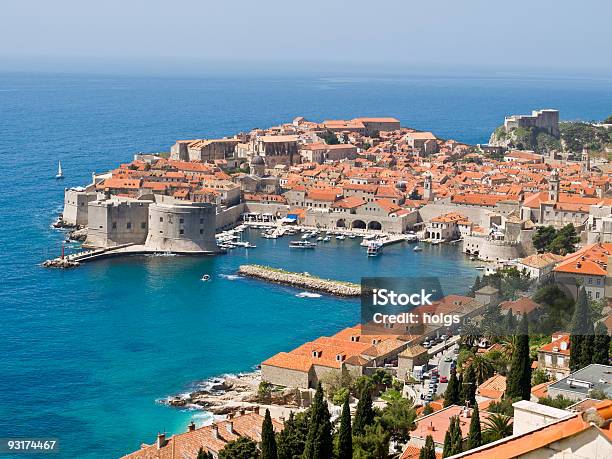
point(374, 225)
point(359, 224)
point(341, 223)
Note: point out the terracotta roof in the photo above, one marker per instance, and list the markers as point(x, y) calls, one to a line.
point(493, 388)
point(590, 260)
point(517, 445)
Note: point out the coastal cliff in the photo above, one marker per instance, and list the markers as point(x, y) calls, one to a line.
point(301, 280)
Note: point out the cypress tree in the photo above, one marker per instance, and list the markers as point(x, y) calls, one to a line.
point(587, 347)
point(456, 437)
point(461, 387)
point(345, 436)
point(319, 439)
point(510, 323)
point(518, 383)
point(578, 330)
point(268, 440)
point(364, 414)
point(429, 450)
point(448, 445)
point(451, 396)
point(469, 385)
point(601, 353)
point(475, 435)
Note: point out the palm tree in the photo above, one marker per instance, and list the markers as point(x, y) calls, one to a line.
point(469, 334)
point(483, 368)
point(509, 345)
point(498, 426)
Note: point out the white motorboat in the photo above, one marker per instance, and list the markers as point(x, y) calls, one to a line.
point(205, 278)
point(374, 249)
point(302, 245)
point(341, 237)
point(417, 249)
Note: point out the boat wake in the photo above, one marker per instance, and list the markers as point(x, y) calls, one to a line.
point(229, 276)
point(308, 295)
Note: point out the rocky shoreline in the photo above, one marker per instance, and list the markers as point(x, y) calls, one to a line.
point(301, 280)
point(230, 394)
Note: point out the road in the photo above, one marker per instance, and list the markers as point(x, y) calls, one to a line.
point(416, 390)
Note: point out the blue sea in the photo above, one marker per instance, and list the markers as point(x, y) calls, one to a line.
point(85, 353)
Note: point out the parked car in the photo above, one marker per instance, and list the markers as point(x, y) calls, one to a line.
point(448, 358)
point(428, 398)
point(443, 379)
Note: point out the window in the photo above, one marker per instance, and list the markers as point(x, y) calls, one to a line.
point(201, 221)
point(560, 360)
point(181, 231)
point(590, 280)
point(129, 225)
point(143, 225)
point(181, 220)
point(597, 295)
point(161, 219)
point(201, 231)
point(548, 359)
point(114, 225)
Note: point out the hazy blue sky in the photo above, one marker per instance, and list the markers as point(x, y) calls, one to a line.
point(191, 36)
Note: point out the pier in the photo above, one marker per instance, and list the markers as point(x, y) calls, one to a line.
point(301, 280)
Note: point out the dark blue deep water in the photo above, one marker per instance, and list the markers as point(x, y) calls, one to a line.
point(85, 353)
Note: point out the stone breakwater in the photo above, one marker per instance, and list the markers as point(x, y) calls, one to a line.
point(300, 280)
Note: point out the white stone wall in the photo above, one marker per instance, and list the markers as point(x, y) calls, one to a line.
point(182, 227)
point(113, 222)
point(76, 206)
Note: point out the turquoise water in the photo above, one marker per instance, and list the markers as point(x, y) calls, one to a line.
point(85, 353)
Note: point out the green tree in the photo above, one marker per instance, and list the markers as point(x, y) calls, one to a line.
point(268, 440)
point(398, 418)
point(204, 454)
point(542, 237)
point(498, 426)
point(518, 382)
point(475, 434)
point(345, 435)
point(372, 444)
point(580, 327)
point(448, 442)
point(329, 137)
point(291, 440)
point(510, 322)
point(451, 396)
point(469, 386)
point(483, 368)
point(319, 439)
point(565, 241)
point(601, 345)
point(559, 401)
point(539, 376)
point(427, 410)
point(429, 450)
point(364, 414)
point(477, 286)
point(241, 448)
point(456, 437)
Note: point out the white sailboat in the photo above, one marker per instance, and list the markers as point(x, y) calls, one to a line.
point(60, 174)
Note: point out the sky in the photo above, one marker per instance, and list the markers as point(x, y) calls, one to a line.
point(200, 36)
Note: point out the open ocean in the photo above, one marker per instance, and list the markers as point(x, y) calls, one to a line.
point(85, 353)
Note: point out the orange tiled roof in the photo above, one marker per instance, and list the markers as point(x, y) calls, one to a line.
point(517, 445)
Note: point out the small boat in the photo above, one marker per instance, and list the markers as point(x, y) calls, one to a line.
point(205, 278)
point(352, 236)
point(417, 249)
point(302, 245)
point(411, 238)
point(60, 174)
point(341, 237)
point(472, 258)
point(481, 268)
point(320, 238)
point(374, 249)
point(326, 239)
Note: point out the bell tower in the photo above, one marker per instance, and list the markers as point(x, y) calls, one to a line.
point(553, 186)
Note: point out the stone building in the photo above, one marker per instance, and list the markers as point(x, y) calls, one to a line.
point(206, 150)
point(113, 222)
point(547, 120)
